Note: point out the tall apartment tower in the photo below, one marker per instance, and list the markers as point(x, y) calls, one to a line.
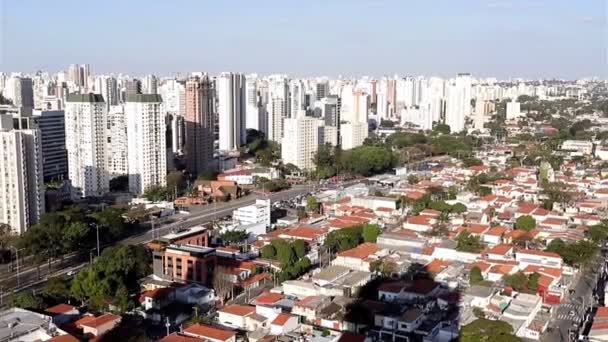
point(200, 118)
point(51, 124)
point(22, 197)
point(252, 104)
point(301, 141)
point(149, 85)
point(277, 106)
point(107, 86)
point(231, 110)
point(117, 147)
point(86, 139)
point(458, 102)
point(23, 92)
point(146, 142)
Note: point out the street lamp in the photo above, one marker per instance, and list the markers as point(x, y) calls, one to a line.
point(97, 228)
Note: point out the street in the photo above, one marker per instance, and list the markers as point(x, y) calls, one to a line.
point(564, 326)
point(30, 276)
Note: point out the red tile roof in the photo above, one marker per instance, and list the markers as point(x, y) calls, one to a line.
point(100, 321)
point(64, 338)
point(500, 249)
point(268, 298)
point(205, 331)
point(175, 337)
point(539, 253)
point(60, 309)
point(420, 220)
point(238, 310)
point(361, 252)
point(281, 319)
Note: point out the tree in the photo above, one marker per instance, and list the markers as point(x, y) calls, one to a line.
point(156, 193)
point(452, 192)
point(175, 182)
point(459, 208)
point(300, 248)
point(268, 252)
point(222, 283)
point(468, 162)
point(234, 236)
point(442, 128)
point(58, 289)
point(111, 220)
point(533, 282)
point(285, 253)
point(525, 222)
point(598, 233)
point(518, 281)
point(312, 204)
point(478, 312)
point(27, 300)
point(371, 232)
point(302, 214)
point(475, 276)
point(326, 161)
point(487, 330)
point(469, 243)
point(413, 179)
point(344, 239)
point(367, 160)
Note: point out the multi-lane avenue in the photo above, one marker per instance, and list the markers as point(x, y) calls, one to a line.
point(31, 277)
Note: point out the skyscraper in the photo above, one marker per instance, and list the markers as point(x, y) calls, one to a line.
point(199, 124)
point(51, 124)
point(458, 102)
point(22, 197)
point(149, 85)
point(231, 110)
point(277, 107)
point(301, 141)
point(252, 103)
point(86, 139)
point(117, 146)
point(146, 142)
point(107, 86)
point(297, 96)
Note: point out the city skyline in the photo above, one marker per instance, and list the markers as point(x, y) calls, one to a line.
point(527, 39)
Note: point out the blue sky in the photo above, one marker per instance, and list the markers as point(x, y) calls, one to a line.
point(503, 38)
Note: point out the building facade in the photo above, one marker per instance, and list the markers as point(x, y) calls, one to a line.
point(86, 140)
point(146, 142)
point(200, 114)
point(21, 180)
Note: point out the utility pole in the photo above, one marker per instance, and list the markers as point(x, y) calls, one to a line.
point(17, 263)
point(97, 228)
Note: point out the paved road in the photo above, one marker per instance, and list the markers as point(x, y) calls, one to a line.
point(32, 276)
point(563, 324)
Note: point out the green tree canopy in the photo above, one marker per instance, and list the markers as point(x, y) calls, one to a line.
point(155, 193)
point(469, 243)
point(371, 232)
point(475, 276)
point(525, 222)
point(488, 330)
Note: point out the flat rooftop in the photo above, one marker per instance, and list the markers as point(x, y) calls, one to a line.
point(192, 249)
point(181, 233)
point(16, 322)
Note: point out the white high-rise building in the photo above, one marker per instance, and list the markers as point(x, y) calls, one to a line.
point(149, 85)
point(231, 110)
point(458, 106)
point(277, 107)
point(297, 96)
point(22, 195)
point(353, 134)
point(86, 141)
point(252, 107)
point(146, 140)
point(301, 141)
point(117, 147)
point(107, 86)
point(513, 110)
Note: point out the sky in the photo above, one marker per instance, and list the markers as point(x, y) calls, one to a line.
point(502, 38)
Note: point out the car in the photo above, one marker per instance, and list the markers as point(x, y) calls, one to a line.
point(71, 273)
